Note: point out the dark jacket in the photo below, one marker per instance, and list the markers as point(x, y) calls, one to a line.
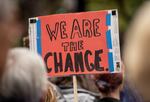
point(107, 99)
point(130, 93)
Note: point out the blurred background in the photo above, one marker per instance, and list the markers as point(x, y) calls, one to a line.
point(33, 8)
point(17, 13)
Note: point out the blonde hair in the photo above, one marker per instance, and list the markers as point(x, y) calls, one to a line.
point(137, 39)
point(50, 96)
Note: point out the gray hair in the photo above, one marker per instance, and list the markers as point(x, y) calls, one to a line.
point(25, 76)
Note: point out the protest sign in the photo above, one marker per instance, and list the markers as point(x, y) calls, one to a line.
point(77, 43)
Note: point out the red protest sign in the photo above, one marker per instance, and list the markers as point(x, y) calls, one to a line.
point(77, 43)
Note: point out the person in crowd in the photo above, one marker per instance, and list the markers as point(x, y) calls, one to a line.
point(7, 30)
point(137, 52)
point(10, 29)
point(25, 78)
point(110, 86)
point(4, 44)
point(14, 16)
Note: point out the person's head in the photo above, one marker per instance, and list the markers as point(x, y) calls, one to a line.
point(109, 83)
point(25, 79)
point(137, 51)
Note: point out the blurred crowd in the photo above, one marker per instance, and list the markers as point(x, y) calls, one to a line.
point(23, 75)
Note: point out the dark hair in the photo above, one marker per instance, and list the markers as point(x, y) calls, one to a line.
point(108, 83)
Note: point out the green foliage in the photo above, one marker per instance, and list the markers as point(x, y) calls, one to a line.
point(126, 9)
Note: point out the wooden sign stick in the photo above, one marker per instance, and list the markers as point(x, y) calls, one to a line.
point(75, 88)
